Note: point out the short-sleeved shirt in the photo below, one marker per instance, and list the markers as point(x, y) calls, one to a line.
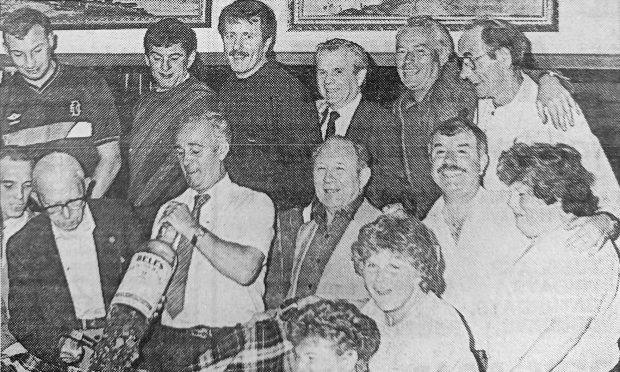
point(234, 214)
point(73, 111)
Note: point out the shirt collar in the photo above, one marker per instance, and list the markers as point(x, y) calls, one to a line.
point(218, 188)
point(345, 111)
point(86, 227)
point(319, 212)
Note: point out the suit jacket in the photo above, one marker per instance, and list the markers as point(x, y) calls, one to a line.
point(40, 303)
point(339, 279)
point(376, 127)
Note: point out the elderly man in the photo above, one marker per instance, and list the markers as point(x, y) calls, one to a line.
point(225, 232)
point(66, 263)
point(322, 260)
point(493, 53)
point(49, 106)
point(341, 68)
point(427, 67)
point(558, 309)
point(155, 177)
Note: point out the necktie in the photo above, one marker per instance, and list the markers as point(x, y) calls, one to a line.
point(331, 124)
point(176, 291)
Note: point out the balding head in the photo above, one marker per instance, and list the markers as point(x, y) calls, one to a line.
point(59, 180)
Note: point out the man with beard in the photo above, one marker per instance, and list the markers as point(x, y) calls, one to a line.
point(429, 70)
point(272, 116)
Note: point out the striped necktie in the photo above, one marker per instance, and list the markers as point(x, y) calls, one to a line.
point(176, 292)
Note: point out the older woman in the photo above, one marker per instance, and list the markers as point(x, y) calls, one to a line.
point(332, 336)
point(558, 309)
point(398, 260)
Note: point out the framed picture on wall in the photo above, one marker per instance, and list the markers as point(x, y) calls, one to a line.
point(530, 15)
point(110, 14)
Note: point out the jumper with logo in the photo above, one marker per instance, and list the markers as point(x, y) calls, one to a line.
point(72, 112)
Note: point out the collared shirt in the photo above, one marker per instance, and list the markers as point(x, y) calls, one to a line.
point(430, 338)
point(550, 293)
point(518, 121)
point(488, 245)
point(346, 114)
point(314, 259)
point(78, 255)
point(234, 214)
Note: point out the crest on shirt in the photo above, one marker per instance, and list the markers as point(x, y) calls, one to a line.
point(75, 108)
point(13, 118)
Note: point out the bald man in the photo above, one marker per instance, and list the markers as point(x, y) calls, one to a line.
point(66, 263)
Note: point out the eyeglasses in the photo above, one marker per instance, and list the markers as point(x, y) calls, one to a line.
point(470, 61)
point(71, 205)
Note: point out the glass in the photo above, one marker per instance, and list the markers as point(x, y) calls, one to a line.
point(73, 204)
point(470, 61)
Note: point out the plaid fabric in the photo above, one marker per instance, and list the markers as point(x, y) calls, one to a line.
point(255, 347)
point(27, 362)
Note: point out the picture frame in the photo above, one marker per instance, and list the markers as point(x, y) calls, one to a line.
point(347, 15)
point(115, 14)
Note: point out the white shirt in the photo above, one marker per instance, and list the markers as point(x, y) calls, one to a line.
point(234, 214)
point(78, 255)
point(519, 121)
point(431, 338)
point(346, 115)
point(488, 245)
point(548, 290)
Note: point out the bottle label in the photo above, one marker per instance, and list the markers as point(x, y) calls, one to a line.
point(144, 283)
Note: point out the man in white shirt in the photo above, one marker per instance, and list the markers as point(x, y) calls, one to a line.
point(15, 188)
point(66, 263)
point(224, 235)
point(493, 54)
point(475, 228)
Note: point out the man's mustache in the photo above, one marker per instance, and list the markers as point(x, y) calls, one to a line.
point(240, 53)
point(450, 167)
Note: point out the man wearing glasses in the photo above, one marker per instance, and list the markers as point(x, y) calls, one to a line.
point(428, 69)
point(66, 263)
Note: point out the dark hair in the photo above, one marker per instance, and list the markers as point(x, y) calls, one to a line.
point(19, 22)
point(16, 153)
point(497, 34)
point(168, 32)
point(460, 124)
point(406, 237)
point(340, 322)
point(554, 172)
point(250, 11)
point(360, 57)
point(363, 158)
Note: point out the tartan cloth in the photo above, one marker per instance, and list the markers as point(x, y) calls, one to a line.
point(27, 362)
point(254, 347)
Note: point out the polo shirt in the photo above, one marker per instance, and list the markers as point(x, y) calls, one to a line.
point(234, 214)
point(73, 111)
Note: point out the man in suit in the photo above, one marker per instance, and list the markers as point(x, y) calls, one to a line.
point(322, 262)
point(341, 68)
point(66, 263)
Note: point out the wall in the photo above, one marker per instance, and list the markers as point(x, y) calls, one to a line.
point(585, 27)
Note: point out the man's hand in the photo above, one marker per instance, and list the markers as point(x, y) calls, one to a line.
point(180, 218)
point(556, 103)
point(590, 233)
point(395, 209)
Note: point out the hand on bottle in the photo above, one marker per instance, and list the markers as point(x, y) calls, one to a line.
point(180, 218)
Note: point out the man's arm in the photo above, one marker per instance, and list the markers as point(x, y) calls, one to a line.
point(554, 100)
point(239, 262)
point(107, 168)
